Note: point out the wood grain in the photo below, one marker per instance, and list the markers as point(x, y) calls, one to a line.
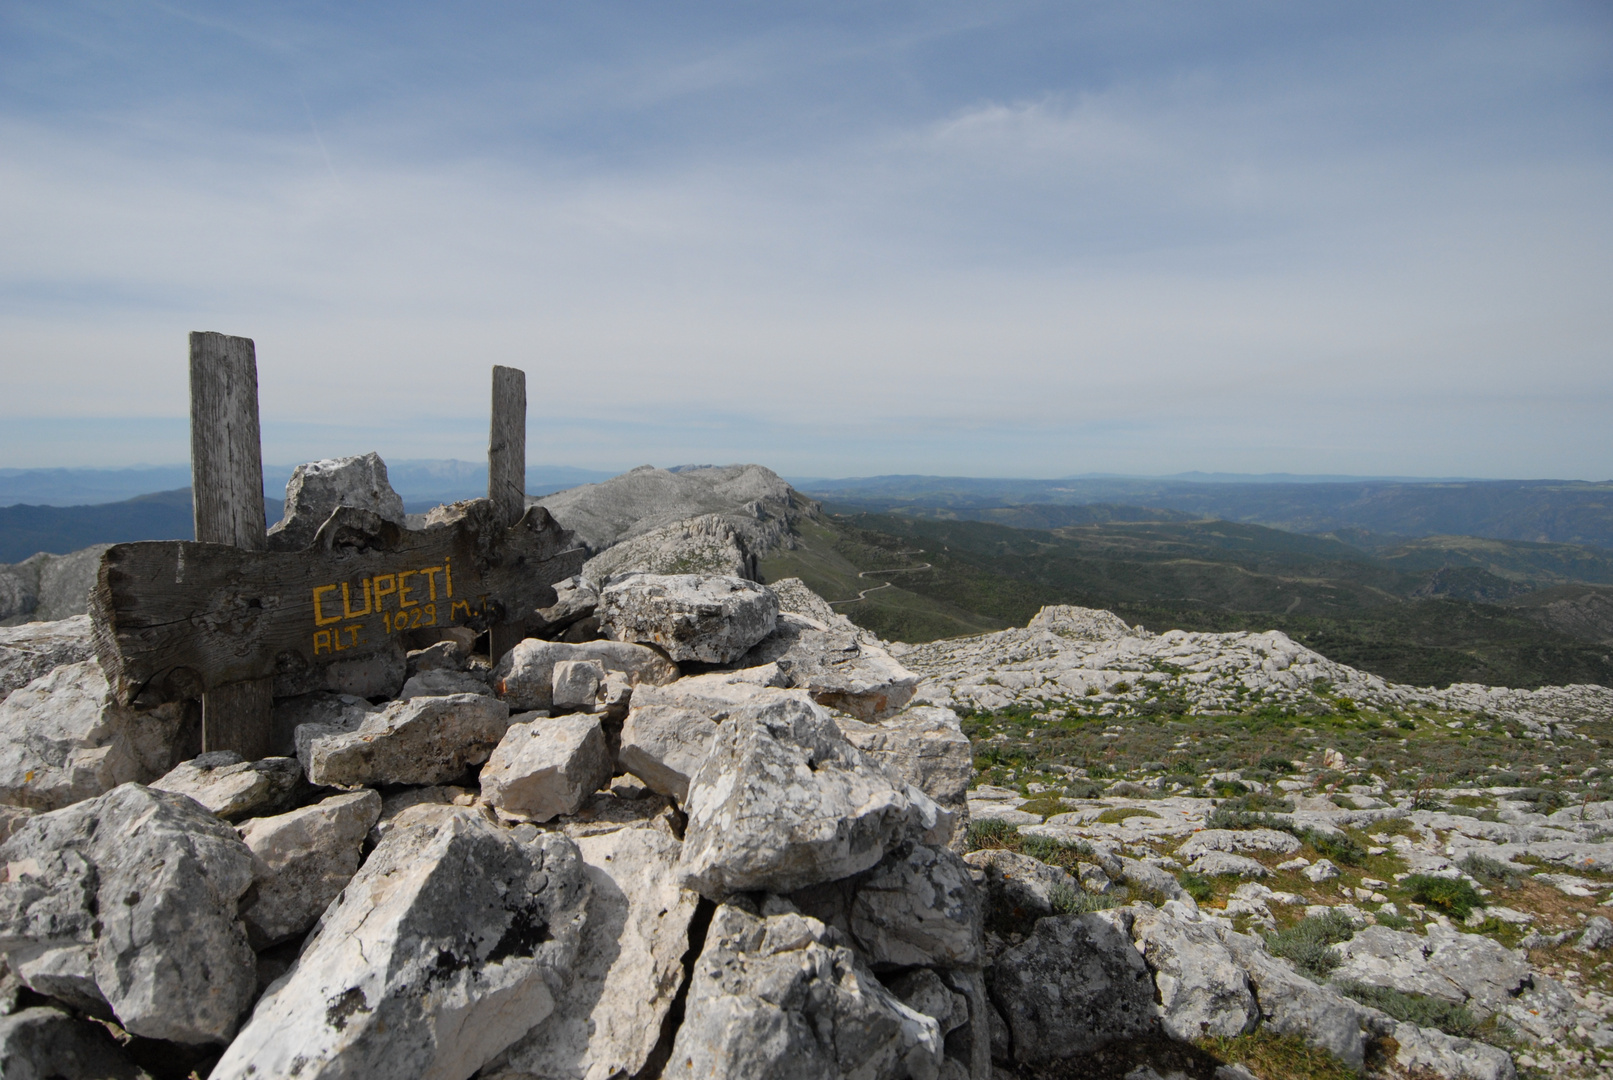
point(506, 444)
point(177, 618)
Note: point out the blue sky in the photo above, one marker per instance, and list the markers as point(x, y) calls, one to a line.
point(981, 239)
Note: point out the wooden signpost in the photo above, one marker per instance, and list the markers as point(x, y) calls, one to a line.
point(219, 617)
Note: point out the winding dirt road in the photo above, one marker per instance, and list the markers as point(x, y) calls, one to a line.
point(883, 585)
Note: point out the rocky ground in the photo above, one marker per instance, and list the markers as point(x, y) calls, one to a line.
point(706, 827)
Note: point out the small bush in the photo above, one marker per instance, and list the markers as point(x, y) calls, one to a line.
point(1309, 943)
point(1054, 852)
point(1273, 804)
point(1273, 763)
point(1044, 805)
point(1416, 1009)
point(1393, 922)
point(1115, 815)
point(1492, 871)
point(1196, 885)
point(1184, 767)
point(1340, 848)
point(1453, 896)
point(1082, 789)
point(1228, 789)
point(1346, 705)
point(987, 834)
point(1070, 901)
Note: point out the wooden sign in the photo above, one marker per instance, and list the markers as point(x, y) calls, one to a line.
point(186, 618)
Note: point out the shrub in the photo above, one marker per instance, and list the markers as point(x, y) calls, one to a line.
point(1054, 852)
point(1392, 921)
point(1195, 885)
point(1227, 789)
point(1044, 805)
point(1491, 871)
point(1416, 1009)
point(1338, 847)
point(1071, 901)
point(1451, 895)
point(1082, 789)
point(1115, 815)
point(1184, 767)
point(1276, 764)
point(991, 834)
point(1309, 943)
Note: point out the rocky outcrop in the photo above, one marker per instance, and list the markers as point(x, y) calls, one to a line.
point(783, 801)
point(34, 649)
point(705, 619)
point(699, 545)
point(301, 861)
point(923, 746)
point(670, 729)
point(130, 900)
point(64, 738)
point(452, 942)
point(425, 740)
point(49, 588)
point(232, 788)
point(775, 996)
point(317, 488)
point(543, 768)
point(839, 667)
point(525, 676)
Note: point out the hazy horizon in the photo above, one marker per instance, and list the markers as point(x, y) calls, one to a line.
point(1008, 240)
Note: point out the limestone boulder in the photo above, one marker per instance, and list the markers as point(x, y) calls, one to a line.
point(1203, 991)
point(776, 997)
point(44, 1043)
point(575, 686)
point(35, 649)
point(839, 666)
point(705, 545)
point(63, 738)
point(575, 599)
point(1221, 863)
point(1074, 985)
point(1421, 1051)
point(691, 617)
point(1019, 889)
point(130, 898)
point(12, 818)
point(543, 768)
point(525, 676)
point(629, 969)
point(783, 802)
point(425, 740)
point(670, 729)
point(453, 941)
point(301, 861)
point(297, 721)
point(317, 488)
point(1291, 1004)
point(234, 788)
point(1237, 841)
point(440, 682)
point(924, 746)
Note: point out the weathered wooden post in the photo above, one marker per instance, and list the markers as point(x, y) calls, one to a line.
point(506, 471)
point(226, 482)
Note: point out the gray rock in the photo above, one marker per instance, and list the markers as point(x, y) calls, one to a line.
point(298, 721)
point(451, 943)
point(317, 488)
point(49, 588)
point(575, 599)
point(233, 788)
point(12, 818)
point(709, 620)
point(1074, 985)
point(1237, 840)
point(1379, 956)
point(63, 738)
point(664, 745)
point(37, 648)
point(301, 861)
point(48, 1044)
point(1321, 870)
point(1598, 934)
point(839, 667)
point(1291, 1004)
point(575, 686)
point(918, 907)
point(1203, 991)
point(440, 682)
point(441, 656)
point(923, 991)
point(775, 997)
point(1019, 889)
point(628, 972)
point(544, 768)
point(1147, 876)
point(1489, 973)
point(426, 740)
point(1217, 863)
point(407, 807)
point(783, 802)
point(1423, 1051)
point(699, 545)
point(142, 885)
point(924, 746)
point(525, 676)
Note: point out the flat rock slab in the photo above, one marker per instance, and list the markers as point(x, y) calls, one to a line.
point(301, 861)
point(449, 945)
point(840, 668)
point(1236, 841)
point(525, 676)
point(708, 620)
point(544, 768)
point(34, 649)
point(132, 897)
point(425, 740)
point(783, 802)
point(233, 788)
point(63, 738)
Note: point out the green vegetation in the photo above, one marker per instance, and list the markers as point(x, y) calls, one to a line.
point(1308, 943)
point(1453, 896)
point(1418, 1009)
point(1199, 887)
point(1071, 901)
point(1115, 815)
point(1492, 872)
point(1270, 1055)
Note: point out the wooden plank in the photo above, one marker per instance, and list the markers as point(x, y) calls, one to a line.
point(182, 618)
point(506, 444)
point(506, 472)
point(226, 479)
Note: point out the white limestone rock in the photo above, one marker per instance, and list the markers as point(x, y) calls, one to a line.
point(63, 738)
point(37, 648)
point(1203, 991)
point(136, 892)
point(425, 740)
point(575, 599)
point(670, 729)
point(841, 668)
point(1234, 841)
point(775, 997)
point(453, 941)
point(924, 746)
point(699, 545)
point(575, 685)
point(783, 802)
point(706, 619)
point(301, 861)
point(297, 721)
point(317, 488)
point(1319, 871)
point(544, 768)
point(525, 676)
point(234, 788)
point(440, 682)
point(1218, 863)
point(628, 972)
point(1020, 889)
